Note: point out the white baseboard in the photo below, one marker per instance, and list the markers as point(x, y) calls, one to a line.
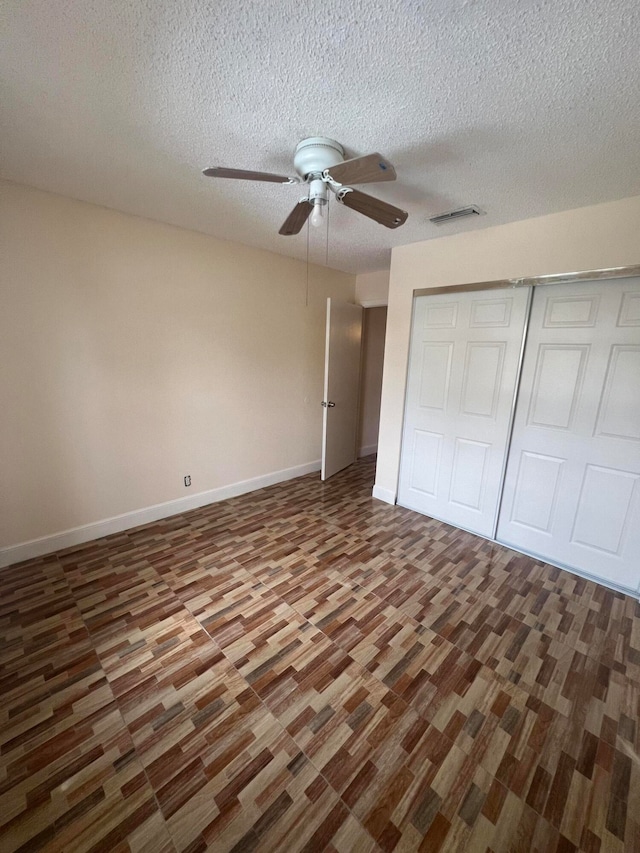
point(97, 529)
point(367, 450)
point(386, 495)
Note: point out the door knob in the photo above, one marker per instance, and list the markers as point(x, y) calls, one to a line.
point(328, 405)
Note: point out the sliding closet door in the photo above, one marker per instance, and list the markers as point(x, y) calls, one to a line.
point(463, 365)
point(572, 490)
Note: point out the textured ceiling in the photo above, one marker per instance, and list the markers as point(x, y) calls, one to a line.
point(523, 108)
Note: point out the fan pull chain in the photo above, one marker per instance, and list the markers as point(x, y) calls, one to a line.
point(326, 253)
point(306, 300)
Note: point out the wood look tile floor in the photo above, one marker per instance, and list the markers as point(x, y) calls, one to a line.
point(307, 669)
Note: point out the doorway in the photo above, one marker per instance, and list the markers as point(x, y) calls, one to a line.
point(354, 356)
point(372, 360)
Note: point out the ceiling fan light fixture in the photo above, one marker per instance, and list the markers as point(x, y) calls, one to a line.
point(318, 197)
point(316, 214)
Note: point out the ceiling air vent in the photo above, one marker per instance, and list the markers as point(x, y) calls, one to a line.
point(470, 210)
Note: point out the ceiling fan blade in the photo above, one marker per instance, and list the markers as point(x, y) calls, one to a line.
point(363, 170)
point(244, 175)
point(296, 219)
point(384, 213)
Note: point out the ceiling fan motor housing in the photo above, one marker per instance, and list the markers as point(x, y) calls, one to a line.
point(316, 154)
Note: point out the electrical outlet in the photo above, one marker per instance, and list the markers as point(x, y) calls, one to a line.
point(187, 480)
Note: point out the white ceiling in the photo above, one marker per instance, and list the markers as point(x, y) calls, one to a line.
point(521, 107)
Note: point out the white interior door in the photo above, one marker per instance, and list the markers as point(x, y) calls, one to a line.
point(341, 386)
point(463, 367)
point(572, 488)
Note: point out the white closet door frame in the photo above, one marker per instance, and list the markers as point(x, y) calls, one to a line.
point(631, 271)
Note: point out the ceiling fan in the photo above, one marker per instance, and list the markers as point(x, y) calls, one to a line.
point(320, 164)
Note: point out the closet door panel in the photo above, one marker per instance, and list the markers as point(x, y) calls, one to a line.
point(465, 352)
point(572, 488)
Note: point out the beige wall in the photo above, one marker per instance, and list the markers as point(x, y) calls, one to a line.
point(372, 288)
point(375, 321)
point(134, 353)
point(605, 235)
